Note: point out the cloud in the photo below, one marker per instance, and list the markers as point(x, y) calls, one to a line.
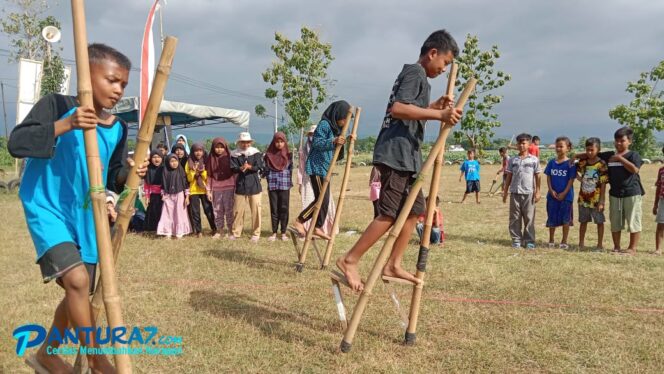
point(569, 60)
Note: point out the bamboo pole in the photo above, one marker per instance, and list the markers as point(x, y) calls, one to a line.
point(143, 141)
point(342, 193)
point(307, 241)
point(347, 341)
point(425, 241)
point(111, 296)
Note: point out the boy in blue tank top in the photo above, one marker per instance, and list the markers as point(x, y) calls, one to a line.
point(55, 188)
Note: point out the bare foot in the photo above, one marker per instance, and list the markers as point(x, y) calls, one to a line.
point(297, 225)
point(319, 232)
point(351, 273)
point(398, 272)
point(53, 363)
point(657, 252)
point(100, 364)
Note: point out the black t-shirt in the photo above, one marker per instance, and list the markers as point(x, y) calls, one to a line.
point(399, 142)
point(623, 183)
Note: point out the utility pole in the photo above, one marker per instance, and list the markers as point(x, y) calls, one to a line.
point(276, 117)
point(4, 109)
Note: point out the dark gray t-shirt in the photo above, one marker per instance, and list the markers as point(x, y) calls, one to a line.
point(399, 142)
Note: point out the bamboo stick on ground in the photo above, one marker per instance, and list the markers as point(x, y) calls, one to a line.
point(342, 193)
point(425, 241)
point(307, 241)
point(143, 140)
point(361, 305)
point(111, 296)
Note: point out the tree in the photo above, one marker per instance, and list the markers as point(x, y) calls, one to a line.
point(300, 73)
point(645, 113)
point(479, 120)
point(24, 30)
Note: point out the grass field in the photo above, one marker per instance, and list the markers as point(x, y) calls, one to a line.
point(486, 307)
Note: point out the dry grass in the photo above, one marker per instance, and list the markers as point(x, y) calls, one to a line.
point(242, 307)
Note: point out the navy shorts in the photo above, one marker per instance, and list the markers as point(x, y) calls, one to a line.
point(472, 186)
point(559, 213)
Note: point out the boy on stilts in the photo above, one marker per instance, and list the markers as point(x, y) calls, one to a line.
point(62, 225)
point(397, 154)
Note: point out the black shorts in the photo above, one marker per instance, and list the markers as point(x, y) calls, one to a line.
point(61, 258)
point(472, 186)
point(394, 189)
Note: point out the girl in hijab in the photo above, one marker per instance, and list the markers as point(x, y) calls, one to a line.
point(278, 171)
point(247, 163)
point(221, 184)
point(305, 189)
point(326, 137)
point(175, 196)
point(198, 189)
point(181, 139)
point(154, 180)
point(179, 150)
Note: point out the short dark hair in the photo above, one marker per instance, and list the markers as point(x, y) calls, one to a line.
point(522, 137)
point(566, 140)
point(442, 41)
point(624, 131)
point(535, 138)
point(162, 146)
point(502, 149)
point(98, 52)
point(594, 141)
point(470, 150)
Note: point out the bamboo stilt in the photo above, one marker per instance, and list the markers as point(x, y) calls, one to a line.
point(425, 241)
point(342, 193)
point(111, 296)
point(381, 260)
point(143, 141)
point(307, 241)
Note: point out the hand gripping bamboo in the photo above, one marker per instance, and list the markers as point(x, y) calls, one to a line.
point(426, 235)
point(307, 241)
point(143, 140)
point(97, 194)
point(342, 193)
point(347, 341)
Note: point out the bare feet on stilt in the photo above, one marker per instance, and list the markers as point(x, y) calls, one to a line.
point(53, 363)
point(299, 227)
point(351, 273)
point(398, 272)
point(319, 232)
point(101, 365)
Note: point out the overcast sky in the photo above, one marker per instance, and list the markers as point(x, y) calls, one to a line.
point(569, 60)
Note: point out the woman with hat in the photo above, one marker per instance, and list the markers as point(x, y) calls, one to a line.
point(247, 162)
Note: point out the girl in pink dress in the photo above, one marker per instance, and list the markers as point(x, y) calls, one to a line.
point(175, 195)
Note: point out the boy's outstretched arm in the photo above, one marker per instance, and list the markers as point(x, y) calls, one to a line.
point(626, 163)
point(413, 112)
point(35, 136)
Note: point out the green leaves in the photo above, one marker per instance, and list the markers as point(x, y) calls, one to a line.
point(645, 113)
point(479, 121)
point(301, 71)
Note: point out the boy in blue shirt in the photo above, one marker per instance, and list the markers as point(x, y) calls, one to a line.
point(55, 187)
point(398, 157)
point(471, 169)
point(559, 201)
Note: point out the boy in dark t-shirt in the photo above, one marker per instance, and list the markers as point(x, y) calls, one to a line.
point(625, 195)
point(397, 154)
